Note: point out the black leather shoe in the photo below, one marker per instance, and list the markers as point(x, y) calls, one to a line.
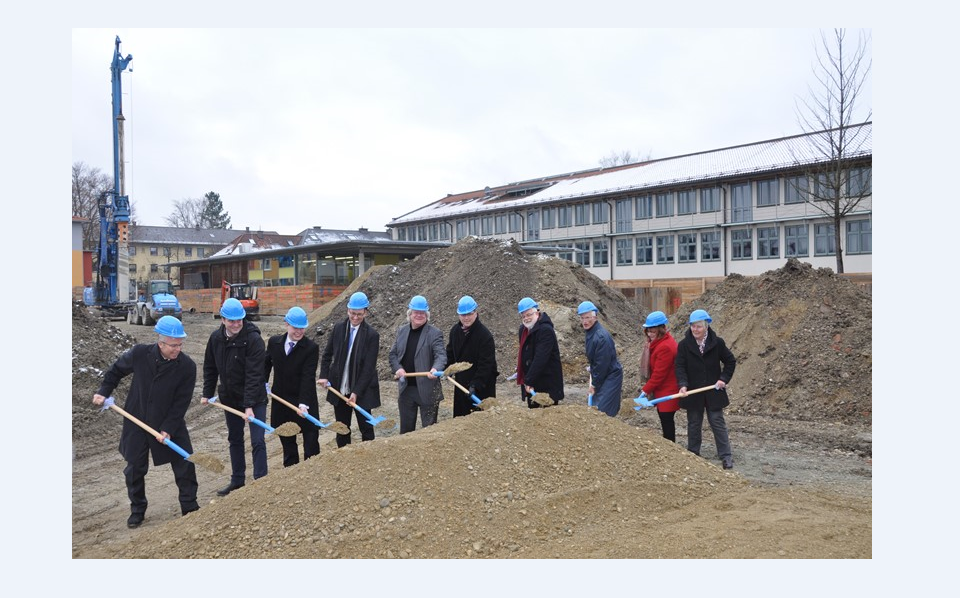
point(185, 511)
point(230, 488)
point(728, 463)
point(134, 520)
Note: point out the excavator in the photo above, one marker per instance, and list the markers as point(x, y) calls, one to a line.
point(247, 294)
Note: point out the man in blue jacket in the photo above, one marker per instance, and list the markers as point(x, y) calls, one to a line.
point(606, 373)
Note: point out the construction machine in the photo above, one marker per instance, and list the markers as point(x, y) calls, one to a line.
point(245, 293)
point(157, 300)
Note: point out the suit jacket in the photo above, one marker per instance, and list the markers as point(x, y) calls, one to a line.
point(294, 378)
point(159, 397)
point(430, 354)
point(363, 363)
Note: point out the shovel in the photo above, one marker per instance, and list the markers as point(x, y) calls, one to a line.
point(206, 461)
point(287, 429)
point(337, 427)
point(450, 370)
point(647, 403)
point(379, 421)
point(473, 397)
point(544, 401)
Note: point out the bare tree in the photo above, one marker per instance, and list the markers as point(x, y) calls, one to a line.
point(88, 184)
point(840, 177)
point(187, 212)
point(622, 157)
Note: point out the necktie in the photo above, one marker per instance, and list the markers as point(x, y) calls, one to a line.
point(290, 345)
point(345, 385)
point(353, 334)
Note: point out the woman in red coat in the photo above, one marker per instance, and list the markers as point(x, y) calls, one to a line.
point(663, 379)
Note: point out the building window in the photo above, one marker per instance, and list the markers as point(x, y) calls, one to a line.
point(768, 193)
point(664, 205)
point(624, 252)
point(166, 252)
point(644, 207)
point(687, 248)
point(285, 261)
point(710, 200)
point(474, 226)
point(266, 264)
point(742, 204)
point(687, 202)
point(154, 268)
point(486, 225)
point(133, 268)
point(824, 242)
point(548, 218)
point(132, 250)
point(796, 240)
point(797, 190)
point(768, 242)
point(401, 233)
point(741, 244)
point(859, 237)
point(188, 251)
point(533, 225)
point(445, 231)
point(601, 212)
point(582, 251)
point(434, 230)
point(153, 251)
point(710, 247)
point(567, 252)
point(565, 216)
point(461, 229)
point(500, 223)
point(514, 223)
point(644, 250)
point(826, 189)
point(199, 251)
point(582, 213)
point(422, 231)
point(624, 208)
point(860, 182)
point(601, 253)
point(665, 249)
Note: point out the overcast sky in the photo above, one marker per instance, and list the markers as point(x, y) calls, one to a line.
point(346, 128)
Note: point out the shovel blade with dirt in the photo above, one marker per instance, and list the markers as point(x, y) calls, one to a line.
point(338, 427)
point(287, 429)
point(377, 422)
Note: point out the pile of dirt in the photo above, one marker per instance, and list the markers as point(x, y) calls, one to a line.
point(497, 274)
point(803, 342)
point(96, 345)
point(562, 482)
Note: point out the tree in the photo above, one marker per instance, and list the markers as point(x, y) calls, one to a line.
point(88, 184)
point(187, 213)
point(840, 182)
point(622, 157)
point(213, 215)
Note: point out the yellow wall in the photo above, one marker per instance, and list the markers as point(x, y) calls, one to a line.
point(78, 268)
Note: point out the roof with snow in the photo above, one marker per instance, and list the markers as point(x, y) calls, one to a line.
point(173, 235)
point(754, 158)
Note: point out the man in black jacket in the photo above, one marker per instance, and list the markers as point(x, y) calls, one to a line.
point(538, 361)
point(293, 359)
point(349, 364)
point(162, 387)
point(235, 354)
point(472, 342)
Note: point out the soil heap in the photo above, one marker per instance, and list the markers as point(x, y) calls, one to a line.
point(803, 342)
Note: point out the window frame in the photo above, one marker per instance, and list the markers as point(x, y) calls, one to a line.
point(855, 238)
point(801, 238)
point(644, 244)
point(662, 201)
point(739, 242)
point(625, 252)
point(768, 192)
point(768, 244)
point(686, 248)
point(666, 254)
point(686, 202)
point(712, 243)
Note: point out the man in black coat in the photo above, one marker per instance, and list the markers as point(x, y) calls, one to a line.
point(162, 387)
point(538, 360)
point(293, 359)
point(349, 364)
point(472, 342)
point(235, 355)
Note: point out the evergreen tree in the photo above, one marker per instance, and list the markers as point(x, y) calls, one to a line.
point(213, 215)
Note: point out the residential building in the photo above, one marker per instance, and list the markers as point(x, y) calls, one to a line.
point(82, 267)
point(152, 250)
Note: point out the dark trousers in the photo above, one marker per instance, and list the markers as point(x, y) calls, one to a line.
point(463, 405)
point(344, 414)
point(668, 424)
point(311, 444)
point(238, 459)
point(184, 474)
point(408, 406)
point(717, 424)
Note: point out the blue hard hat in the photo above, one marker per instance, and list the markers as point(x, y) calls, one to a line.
point(296, 317)
point(655, 318)
point(585, 307)
point(358, 301)
point(525, 304)
point(419, 303)
point(466, 305)
point(700, 314)
point(232, 310)
point(170, 326)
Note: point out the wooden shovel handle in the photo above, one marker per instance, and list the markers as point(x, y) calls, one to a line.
point(228, 409)
point(457, 384)
point(136, 421)
point(689, 392)
point(285, 402)
point(415, 374)
point(332, 389)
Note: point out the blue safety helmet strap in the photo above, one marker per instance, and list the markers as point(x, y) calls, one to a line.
point(358, 301)
point(232, 310)
point(466, 305)
point(655, 318)
point(419, 303)
point(170, 326)
point(700, 314)
point(296, 317)
point(585, 307)
point(525, 304)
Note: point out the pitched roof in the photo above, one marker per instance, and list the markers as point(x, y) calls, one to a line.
point(173, 235)
point(253, 241)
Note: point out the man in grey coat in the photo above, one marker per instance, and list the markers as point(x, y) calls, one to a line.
point(418, 348)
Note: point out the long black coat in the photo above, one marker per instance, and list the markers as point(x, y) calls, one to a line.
point(363, 363)
point(540, 358)
point(696, 371)
point(238, 363)
point(294, 378)
point(159, 397)
point(479, 349)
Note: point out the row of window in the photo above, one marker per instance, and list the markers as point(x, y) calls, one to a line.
point(153, 268)
point(683, 247)
point(155, 251)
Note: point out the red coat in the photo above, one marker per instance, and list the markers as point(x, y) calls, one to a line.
point(663, 377)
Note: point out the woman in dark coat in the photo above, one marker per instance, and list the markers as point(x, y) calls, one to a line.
point(703, 359)
point(538, 360)
point(472, 342)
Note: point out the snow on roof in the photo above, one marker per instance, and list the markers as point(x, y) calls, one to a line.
point(764, 156)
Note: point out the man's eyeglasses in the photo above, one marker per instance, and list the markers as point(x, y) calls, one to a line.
point(173, 345)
